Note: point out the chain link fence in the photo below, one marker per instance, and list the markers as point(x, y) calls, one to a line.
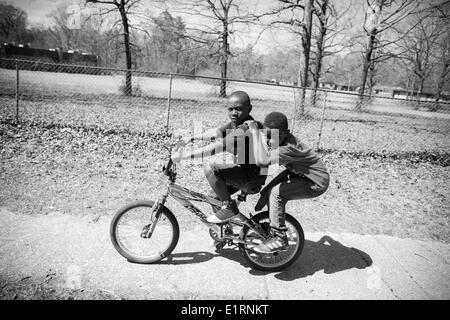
point(92, 97)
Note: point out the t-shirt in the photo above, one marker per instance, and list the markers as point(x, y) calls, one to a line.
point(237, 141)
point(298, 158)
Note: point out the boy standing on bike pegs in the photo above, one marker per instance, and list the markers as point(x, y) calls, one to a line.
point(304, 176)
point(226, 179)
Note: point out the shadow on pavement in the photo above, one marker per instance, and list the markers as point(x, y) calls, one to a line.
point(326, 254)
point(188, 258)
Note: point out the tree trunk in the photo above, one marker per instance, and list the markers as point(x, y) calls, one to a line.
point(413, 86)
point(306, 43)
point(371, 77)
point(408, 84)
point(440, 86)
point(368, 60)
point(442, 76)
point(224, 61)
point(126, 36)
point(366, 65)
point(320, 45)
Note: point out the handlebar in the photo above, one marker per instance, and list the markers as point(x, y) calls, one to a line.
point(170, 162)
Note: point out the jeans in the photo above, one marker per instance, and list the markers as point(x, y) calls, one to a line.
point(226, 179)
point(297, 187)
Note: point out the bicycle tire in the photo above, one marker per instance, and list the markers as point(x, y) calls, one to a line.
point(125, 251)
point(293, 225)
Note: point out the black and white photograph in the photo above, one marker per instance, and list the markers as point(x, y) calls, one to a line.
point(224, 155)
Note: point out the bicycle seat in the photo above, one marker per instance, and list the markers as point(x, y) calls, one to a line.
point(254, 186)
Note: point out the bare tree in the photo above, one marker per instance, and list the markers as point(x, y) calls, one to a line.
point(443, 53)
point(424, 50)
point(328, 38)
point(95, 33)
point(13, 20)
point(381, 16)
point(123, 7)
point(322, 13)
point(218, 22)
point(419, 47)
point(297, 17)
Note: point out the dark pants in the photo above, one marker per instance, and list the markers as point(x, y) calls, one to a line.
point(295, 188)
point(227, 179)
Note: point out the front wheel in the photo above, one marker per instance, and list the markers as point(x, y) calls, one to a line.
point(275, 261)
point(129, 232)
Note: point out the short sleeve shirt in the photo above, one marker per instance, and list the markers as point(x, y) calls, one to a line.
point(237, 141)
point(298, 158)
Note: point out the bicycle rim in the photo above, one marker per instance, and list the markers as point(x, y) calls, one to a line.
point(279, 259)
point(128, 231)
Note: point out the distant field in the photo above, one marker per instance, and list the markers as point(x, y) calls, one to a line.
point(379, 134)
point(84, 149)
point(90, 100)
point(50, 83)
point(94, 173)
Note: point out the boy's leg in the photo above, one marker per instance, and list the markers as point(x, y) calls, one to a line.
point(226, 179)
point(294, 189)
point(211, 193)
point(219, 176)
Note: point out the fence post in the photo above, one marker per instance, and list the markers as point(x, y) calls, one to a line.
point(322, 118)
point(295, 112)
point(17, 92)
point(169, 99)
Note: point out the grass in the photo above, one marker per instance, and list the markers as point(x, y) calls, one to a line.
point(94, 173)
point(83, 149)
point(15, 289)
point(93, 101)
point(350, 131)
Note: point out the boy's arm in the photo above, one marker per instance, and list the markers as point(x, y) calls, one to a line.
point(262, 159)
point(207, 151)
point(208, 135)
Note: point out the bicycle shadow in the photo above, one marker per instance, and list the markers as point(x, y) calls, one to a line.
point(326, 254)
point(188, 258)
point(202, 256)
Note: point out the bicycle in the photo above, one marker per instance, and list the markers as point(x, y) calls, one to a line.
point(152, 226)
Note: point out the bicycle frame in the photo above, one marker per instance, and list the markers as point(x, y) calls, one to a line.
point(184, 196)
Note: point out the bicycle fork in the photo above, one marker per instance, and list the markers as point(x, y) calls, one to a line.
point(147, 231)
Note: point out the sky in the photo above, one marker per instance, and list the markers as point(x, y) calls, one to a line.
point(38, 10)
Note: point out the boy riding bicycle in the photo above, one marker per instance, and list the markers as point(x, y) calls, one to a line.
point(304, 176)
point(224, 178)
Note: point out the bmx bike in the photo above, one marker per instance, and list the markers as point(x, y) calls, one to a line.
point(147, 231)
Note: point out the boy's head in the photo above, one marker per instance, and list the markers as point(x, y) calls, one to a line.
point(278, 126)
point(239, 107)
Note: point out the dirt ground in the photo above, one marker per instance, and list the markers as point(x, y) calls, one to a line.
point(47, 170)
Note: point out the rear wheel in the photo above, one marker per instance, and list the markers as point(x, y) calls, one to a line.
point(275, 261)
point(129, 227)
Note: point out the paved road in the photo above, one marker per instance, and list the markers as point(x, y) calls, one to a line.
point(78, 252)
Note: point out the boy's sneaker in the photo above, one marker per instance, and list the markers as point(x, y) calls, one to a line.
point(276, 242)
point(228, 211)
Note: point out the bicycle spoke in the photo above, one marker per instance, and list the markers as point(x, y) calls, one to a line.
point(273, 259)
point(131, 226)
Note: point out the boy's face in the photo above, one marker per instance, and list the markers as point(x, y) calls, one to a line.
point(238, 110)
